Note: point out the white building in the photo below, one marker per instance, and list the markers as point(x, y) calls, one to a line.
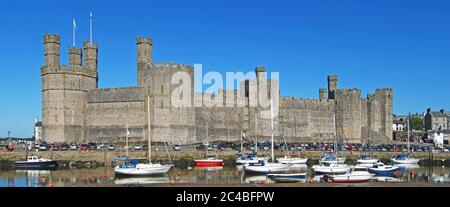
point(439, 137)
point(37, 130)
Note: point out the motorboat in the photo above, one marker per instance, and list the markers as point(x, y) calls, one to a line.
point(292, 160)
point(331, 168)
point(404, 159)
point(266, 167)
point(386, 179)
point(251, 158)
point(135, 168)
point(210, 161)
point(352, 176)
point(288, 178)
point(34, 162)
point(333, 160)
point(380, 169)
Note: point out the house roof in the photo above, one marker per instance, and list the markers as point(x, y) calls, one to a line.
point(437, 114)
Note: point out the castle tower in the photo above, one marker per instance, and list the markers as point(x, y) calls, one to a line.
point(323, 94)
point(332, 85)
point(75, 56)
point(144, 56)
point(64, 91)
point(52, 45)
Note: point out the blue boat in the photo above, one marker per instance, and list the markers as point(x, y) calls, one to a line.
point(288, 178)
point(380, 169)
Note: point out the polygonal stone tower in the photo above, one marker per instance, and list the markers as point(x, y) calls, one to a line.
point(64, 90)
point(332, 85)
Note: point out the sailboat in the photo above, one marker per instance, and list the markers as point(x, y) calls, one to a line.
point(335, 166)
point(209, 160)
point(253, 157)
point(268, 167)
point(288, 159)
point(367, 160)
point(135, 168)
point(404, 158)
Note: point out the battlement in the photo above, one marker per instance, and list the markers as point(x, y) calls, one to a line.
point(306, 103)
point(349, 92)
point(52, 38)
point(165, 66)
point(333, 77)
point(87, 44)
point(144, 40)
point(65, 69)
point(74, 50)
point(384, 90)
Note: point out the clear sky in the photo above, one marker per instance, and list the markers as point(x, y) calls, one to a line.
point(404, 45)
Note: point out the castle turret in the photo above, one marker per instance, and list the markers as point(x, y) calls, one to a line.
point(144, 56)
point(144, 49)
point(52, 44)
point(323, 94)
point(75, 56)
point(90, 55)
point(332, 85)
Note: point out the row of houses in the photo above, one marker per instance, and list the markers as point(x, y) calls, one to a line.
point(436, 126)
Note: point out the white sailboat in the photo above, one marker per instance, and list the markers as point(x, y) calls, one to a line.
point(268, 167)
point(134, 168)
point(334, 167)
point(289, 159)
point(405, 159)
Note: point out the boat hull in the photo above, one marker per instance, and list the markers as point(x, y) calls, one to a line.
point(293, 161)
point(208, 162)
point(268, 168)
point(351, 179)
point(142, 169)
point(330, 170)
point(288, 178)
point(383, 172)
point(35, 165)
point(406, 161)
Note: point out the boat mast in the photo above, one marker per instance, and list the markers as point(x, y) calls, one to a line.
point(408, 135)
point(256, 133)
point(126, 142)
point(242, 145)
point(207, 142)
point(336, 147)
point(149, 141)
point(271, 128)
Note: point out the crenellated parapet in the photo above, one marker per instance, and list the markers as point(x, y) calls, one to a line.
point(306, 104)
point(69, 70)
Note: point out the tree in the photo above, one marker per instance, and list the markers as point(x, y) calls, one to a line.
point(417, 123)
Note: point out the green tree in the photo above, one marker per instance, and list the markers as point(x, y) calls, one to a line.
point(417, 123)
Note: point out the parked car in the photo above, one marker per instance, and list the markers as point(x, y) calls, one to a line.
point(100, 146)
point(43, 147)
point(92, 146)
point(64, 147)
point(55, 147)
point(84, 147)
point(137, 147)
point(177, 147)
point(111, 147)
point(73, 146)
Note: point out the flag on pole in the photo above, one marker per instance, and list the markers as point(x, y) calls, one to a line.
point(73, 30)
point(91, 18)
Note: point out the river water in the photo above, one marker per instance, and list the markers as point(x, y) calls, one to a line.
point(412, 175)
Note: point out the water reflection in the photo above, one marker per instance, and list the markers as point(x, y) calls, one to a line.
point(198, 176)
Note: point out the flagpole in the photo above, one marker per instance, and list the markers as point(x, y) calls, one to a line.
point(90, 24)
point(73, 30)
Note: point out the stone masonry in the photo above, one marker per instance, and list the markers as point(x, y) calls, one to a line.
point(74, 109)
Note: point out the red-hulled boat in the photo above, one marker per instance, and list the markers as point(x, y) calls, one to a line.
point(212, 161)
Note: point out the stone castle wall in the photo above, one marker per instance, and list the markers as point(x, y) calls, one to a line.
point(76, 110)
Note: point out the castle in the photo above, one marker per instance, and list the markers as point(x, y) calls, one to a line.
point(74, 109)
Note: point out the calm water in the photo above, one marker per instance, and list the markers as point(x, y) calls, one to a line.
point(414, 175)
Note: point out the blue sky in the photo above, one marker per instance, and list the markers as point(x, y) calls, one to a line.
point(378, 43)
